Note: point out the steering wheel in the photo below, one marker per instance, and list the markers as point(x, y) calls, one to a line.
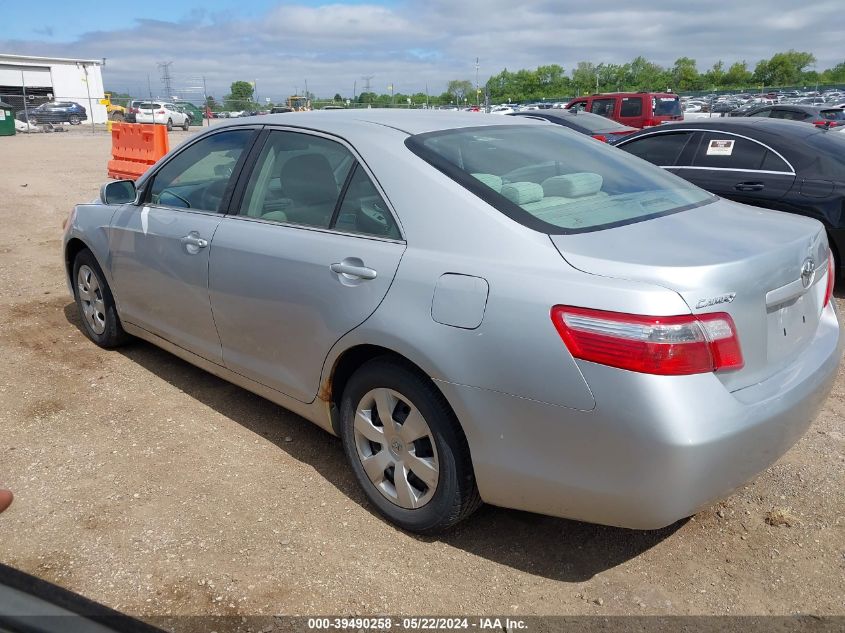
point(212, 195)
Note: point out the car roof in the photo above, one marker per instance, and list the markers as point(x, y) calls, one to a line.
point(411, 122)
point(739, 125)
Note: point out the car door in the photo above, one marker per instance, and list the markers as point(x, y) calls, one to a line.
point(159, 248)
point(738, 168)
point(309, 257)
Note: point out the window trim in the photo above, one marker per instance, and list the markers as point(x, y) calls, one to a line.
point(145, 189)
point(712, 131)
point(239, 191)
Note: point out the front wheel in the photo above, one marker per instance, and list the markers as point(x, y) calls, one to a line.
point(169, 124)
point(406, 448)
point(186, 124)
point(96, 303)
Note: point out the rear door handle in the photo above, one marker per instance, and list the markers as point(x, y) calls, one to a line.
point(749, 186)
point(362, 272)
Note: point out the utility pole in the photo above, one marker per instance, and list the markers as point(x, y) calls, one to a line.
point(477, 97)
point(354, 90)
point(367, 79)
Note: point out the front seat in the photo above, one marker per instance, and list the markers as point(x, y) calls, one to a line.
point(308, 180)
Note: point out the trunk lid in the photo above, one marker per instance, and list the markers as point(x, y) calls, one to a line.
point(724, 257)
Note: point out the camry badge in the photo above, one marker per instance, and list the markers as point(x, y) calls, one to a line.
point(706, 303)
point(808, 272)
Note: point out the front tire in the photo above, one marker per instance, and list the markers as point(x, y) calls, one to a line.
point(406, 448)
point(186, 124)
point(95, 303)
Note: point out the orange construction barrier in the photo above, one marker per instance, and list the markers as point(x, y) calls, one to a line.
point(134, 148)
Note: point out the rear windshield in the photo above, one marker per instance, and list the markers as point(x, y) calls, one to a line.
point(666, 106)
point(593, 123)
point(149, 106)
point(554, 180)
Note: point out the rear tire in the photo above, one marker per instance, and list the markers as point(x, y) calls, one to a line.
point(420, 476)
point(169, 125)
point(117, 117)
point(95, 303)
point(74, 119)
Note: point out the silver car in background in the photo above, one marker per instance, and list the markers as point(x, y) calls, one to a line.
point(482, 310)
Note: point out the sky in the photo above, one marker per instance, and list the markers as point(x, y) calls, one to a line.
point(412, 45)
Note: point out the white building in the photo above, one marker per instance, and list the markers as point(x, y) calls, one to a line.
point(40, 79)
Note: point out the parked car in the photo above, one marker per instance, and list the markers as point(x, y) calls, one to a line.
point(132, 111)
point(826, 116)
point(163, 113)
point(56, 112)
point(769, 163)
point(637, 109)
point(483, 309)
point(598, 127)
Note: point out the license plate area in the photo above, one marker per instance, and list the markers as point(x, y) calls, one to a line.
point(791, 325)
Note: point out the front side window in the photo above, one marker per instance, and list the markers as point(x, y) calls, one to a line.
point(197, 177)
point(661, 149)
point(579, 106)
point(554, 181)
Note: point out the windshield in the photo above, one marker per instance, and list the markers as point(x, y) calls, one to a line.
point(666, 106)
point(554, 180)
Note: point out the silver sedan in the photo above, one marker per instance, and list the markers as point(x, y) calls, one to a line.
point(482, 310)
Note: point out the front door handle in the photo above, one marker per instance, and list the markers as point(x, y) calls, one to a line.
point(352, 270)
point(193, 243)
point(749, 186)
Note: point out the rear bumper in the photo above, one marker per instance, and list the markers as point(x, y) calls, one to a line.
point(654, 450)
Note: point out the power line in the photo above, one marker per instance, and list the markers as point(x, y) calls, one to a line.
point(367, 79)
point(166, 79)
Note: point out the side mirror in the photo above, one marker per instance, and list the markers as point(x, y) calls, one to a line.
point(118, 192)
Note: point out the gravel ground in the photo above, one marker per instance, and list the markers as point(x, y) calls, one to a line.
point(155, 488)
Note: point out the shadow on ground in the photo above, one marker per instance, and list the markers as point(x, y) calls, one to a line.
point(559, 549)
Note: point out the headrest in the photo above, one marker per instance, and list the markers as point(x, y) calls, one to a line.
point(573, 185)
point(491, 180)
point(522, 192)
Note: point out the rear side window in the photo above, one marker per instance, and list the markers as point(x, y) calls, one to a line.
point(554, 181)
point(297, 179)
point(631, 106)
point(602, 107)
point(660, 149)
point(764, 113)
point(833, 115)
point(363, 210)
point(666, 106)
point(730, 152)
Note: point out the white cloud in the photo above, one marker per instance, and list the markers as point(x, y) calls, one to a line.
point(417, 43)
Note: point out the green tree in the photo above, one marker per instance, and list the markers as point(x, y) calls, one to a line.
point(714, 77)
point(337, 97)
point(738, 75)
point(459, 89)
point(685, 74)
point(240, 96)
point(584, 77)
point(783, 69)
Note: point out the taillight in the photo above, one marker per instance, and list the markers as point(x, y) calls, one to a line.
point(650, 122)
point(160, 112)
point(668, 346)
point(831, 278)
point(600, 137)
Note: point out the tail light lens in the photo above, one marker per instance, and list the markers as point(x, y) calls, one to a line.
point(667, 346)
point(160, 112)
point(600, 137)
point(831, 278)
point(650, 122)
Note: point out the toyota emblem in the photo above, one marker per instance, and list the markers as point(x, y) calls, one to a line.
point(808, 271)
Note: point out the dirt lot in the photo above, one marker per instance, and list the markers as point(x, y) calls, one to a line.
point(155, 488)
